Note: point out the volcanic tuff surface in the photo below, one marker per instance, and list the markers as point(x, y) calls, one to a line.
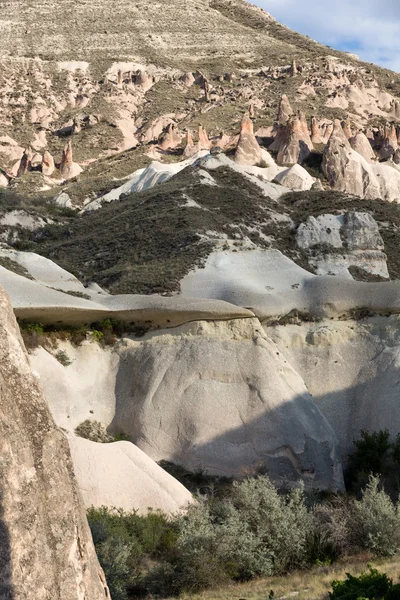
point(228, 191)
point(46, 546)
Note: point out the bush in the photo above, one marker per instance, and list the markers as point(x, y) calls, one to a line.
point(93, 431)
point(330, 537)
point(125, 545)
point(376, 520)
point(254, 532)
point(63, 358)
point(375, 454)
point(32, 334)
point(249, 530)
point(368, 586)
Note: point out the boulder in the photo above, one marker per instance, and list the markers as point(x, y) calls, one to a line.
point(46, 546)
point(295, 178)
point(248, 151)
point(187, 79)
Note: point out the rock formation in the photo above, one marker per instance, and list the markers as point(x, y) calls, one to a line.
point(389, 143)
point(316, 134)
point(48, 166)
point(188, 79)
point(346, 125)
point(190, 147)
point(3, 180)
point(68, 168)
point(297, 145)
point(349, 240)
point(360, 143)
point(346, 170)
point(295, 178)
point(170, 138)
point(46, 546)
point(204, 142)
point(120, 475)
point(285, 111)
point(194, 369)
point(25, 164)
point(248, 152)
point(293, 71)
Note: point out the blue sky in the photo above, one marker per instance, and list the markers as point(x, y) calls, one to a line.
point(369, 28)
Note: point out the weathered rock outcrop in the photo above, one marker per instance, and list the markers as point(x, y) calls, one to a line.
point(46, 546)
point(219, 396)
point(68, 168)
point(25, 164)
point(389, 143)
point(348, 240)
point(352, 370)
point(285, 110)
point(248, 152)
point(48, 166)
point(361, 144)
point(120, 475)
point(345, 169)
point(297, 146)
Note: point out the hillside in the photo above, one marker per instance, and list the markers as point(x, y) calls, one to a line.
point(122, 85)
point(199, 227)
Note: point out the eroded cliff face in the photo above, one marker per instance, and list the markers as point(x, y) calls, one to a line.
point(352, 370)
point(46, 546)
point(238, 396)
point(215, 395)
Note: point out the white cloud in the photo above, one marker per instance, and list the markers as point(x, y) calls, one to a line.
point(370, 28)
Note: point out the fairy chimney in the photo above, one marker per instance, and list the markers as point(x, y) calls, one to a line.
point(248, 152)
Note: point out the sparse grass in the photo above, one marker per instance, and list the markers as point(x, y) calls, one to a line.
point(14, 266)
point(303, 585)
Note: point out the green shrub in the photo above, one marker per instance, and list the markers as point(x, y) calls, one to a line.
point(254, 532)
point(63, 358)
point(126, 543)
point(372, 454)
point(376, 520)
point(97, 335)
point(368, 586)
point(32, 334)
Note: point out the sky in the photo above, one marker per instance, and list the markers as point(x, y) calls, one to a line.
point(369, 28)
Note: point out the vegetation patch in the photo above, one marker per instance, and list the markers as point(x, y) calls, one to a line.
point(249, 531)
point(14, 266)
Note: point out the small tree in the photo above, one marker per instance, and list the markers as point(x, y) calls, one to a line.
point(376, 520)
